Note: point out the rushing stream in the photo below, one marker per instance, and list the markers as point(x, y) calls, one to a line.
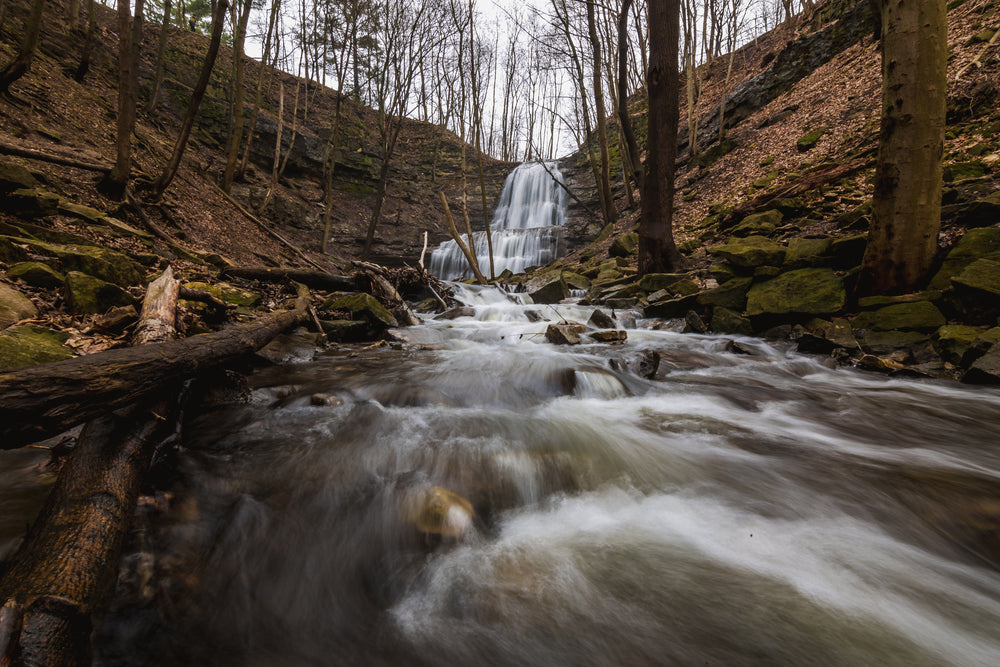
point(745, 505)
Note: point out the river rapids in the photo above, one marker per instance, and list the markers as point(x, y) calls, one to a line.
point(743, 505)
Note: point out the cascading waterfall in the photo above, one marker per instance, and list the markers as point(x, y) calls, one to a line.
point(525, 226)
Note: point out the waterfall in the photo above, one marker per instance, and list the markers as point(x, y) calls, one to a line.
point(525, 226)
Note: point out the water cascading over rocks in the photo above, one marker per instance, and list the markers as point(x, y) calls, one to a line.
point(526, 226)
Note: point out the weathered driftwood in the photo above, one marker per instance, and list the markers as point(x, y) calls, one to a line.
point(388, 292)
point(66, 161)
point(159, 308)
point(41, 401)
point(66, 567)
point(313, 279)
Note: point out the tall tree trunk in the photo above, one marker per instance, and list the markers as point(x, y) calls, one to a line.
point(239, 67)
point(170, 169)
point(631, 157)
point(161, 50)
point(129, 41)
point(88, 43)
point(22, 61)
point(906, 213)
point(657, 251)
point(607, 200)
point(264, 66)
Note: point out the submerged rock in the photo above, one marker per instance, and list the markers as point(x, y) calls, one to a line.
point(438, 511)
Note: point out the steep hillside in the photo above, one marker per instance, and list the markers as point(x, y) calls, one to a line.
point(52, 112)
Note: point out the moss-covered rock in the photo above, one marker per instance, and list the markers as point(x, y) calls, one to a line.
point(366, 306)
point(887, 342)
point(977, 290)
point(27, 345)
point(916, 316)
point(761, 224)
point(806, 252)
point(108, 265)
point(15, 177)
point(750, 252)
point(985, 369)
point(722, 272)
point(731, 294)
point(87, 295)
point(959, 171)
point(847, 252)
point(624, 246)
point(14, 306)
point(799, 292)
point(32, 203)
point(983, 243)
point(954, 342)
point(728, 321)
point(36, 274)
point(10, 252)
point(85, 213)
point(228, 293)
point(808, 142)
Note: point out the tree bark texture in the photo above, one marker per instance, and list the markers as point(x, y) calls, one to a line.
point(657, 251)
point(170, 170)
point(88, 43)
point(41, 401)
point(906, 211)
point(22, 61)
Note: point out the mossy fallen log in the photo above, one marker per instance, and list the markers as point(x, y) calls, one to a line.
point(41, 401)
point(313, 279)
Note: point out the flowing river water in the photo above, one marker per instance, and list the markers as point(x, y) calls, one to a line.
point(743, 505)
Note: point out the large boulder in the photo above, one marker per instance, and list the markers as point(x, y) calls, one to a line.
point(750, 252)
point(762, 224)
point(36, 274)
point(653, 282)
point(956, 343)
point(977, 289)
point(975, 244)
point(565, 334)
point(14, 306)
point(87, 295)
point(806, 252)
point(624, 246)
point(108, 265)
point(979, 213)
point(26, 345)
point(799, 292)
point(731, 294)
point(915, 316)
point(14, 177)
point(547, 289)
point(725, 320)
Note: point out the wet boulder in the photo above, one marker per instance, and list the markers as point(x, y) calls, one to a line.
point(87, 295)
point(455, 313)
point(728, 321)
point(750, 252)
point(600, 320)
point(549, 288)
point(14, 306)
point(799, 292)
point(609, 336)
point(956, 343)
point(27, 345)
point(567, 333)
point(915, 316)
point(985, 369)
point(731, 294)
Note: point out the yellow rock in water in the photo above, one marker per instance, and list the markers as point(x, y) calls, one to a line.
point(440, 512)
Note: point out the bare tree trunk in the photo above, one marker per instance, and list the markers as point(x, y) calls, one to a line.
point(264, 65)
point(170, 169)
point(239, 66)
point(88, 43)
point(906, 212)
point(657, 251)
point(607, 200)
point(129, 41)
point(277, 146)
point(22, 61)
point(470, 256)
point(631, 156)
point(161, 49)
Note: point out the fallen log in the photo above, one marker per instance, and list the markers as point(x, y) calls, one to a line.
point(64, 572)
point(376, 274)
point(313, 279)
point(192, 294)
point(66, 161)
point(470, 258)
point(66, 567)
point(41, 401)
